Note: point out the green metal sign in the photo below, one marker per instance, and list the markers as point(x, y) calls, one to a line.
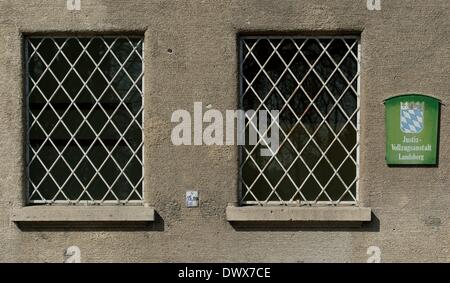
point(412, 125)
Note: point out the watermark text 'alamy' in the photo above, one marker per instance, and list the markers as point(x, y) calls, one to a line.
point(260, 131)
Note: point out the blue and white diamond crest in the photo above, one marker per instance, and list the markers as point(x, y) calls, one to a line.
point(411, 117)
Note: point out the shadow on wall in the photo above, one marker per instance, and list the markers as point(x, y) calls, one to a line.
point(157, 226)
point(267, 226)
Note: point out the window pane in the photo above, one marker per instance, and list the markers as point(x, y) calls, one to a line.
point(84, 119)
point(313, 82)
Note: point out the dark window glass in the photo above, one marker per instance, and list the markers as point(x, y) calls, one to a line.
point(84, 99)
point(313, 82)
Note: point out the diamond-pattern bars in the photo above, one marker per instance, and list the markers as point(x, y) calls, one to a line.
point(314, 83)
point(85, 104)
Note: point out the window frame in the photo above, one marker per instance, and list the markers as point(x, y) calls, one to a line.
point(104, 203)
point(296, 203)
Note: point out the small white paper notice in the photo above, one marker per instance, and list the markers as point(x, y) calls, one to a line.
point(74, 5)
point(192, 198)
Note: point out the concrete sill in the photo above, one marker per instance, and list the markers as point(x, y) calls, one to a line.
point(356, 215)
point(82, 214)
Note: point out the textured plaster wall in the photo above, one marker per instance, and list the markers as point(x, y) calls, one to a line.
point(405, 48)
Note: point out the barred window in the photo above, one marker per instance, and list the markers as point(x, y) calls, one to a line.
point(84, 119)
point(314, 83)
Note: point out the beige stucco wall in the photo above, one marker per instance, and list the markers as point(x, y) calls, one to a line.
point(405, 48)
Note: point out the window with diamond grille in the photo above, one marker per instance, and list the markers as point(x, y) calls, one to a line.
point(314, 83)
point(84, 105)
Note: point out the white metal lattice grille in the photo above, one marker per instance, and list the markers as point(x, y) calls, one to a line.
point(84, 105)
point(314, 83)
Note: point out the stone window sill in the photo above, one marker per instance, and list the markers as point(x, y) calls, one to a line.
point(354, 216)
point(82, 215)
